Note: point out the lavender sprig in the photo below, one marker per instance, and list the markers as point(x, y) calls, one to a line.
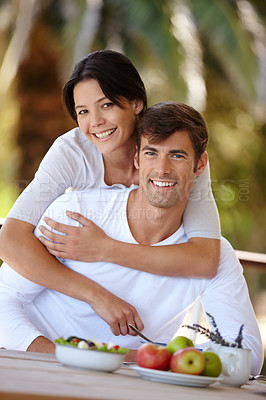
point(216, 335)
point(239, 338)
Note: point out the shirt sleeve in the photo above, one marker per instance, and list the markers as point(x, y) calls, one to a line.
point(227, 300)
point(201, 218)
point(16, 330)
point(64, 166)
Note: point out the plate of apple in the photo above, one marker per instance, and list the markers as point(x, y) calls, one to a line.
point(179, 363)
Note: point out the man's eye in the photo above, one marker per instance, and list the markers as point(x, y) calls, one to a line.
point(178, 156)
point(150, 153)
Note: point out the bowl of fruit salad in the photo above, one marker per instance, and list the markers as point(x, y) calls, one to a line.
point(89, 354)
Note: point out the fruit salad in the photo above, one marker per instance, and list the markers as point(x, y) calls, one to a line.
point(91, 345)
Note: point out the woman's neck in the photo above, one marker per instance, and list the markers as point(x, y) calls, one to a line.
point(119, 167)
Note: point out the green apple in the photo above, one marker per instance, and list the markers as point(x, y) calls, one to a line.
point(213, 364)
point(179, 342)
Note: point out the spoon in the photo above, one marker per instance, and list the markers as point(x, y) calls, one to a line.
point(258, 377)
point(140, 334)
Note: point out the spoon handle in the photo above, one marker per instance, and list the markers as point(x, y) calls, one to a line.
point(139, 333)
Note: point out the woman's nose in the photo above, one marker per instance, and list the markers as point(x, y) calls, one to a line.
point(96, 118)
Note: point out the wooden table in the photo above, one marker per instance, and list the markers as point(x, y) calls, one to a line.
point(32, 376)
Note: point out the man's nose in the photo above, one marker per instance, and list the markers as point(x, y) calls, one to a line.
point(163, 166)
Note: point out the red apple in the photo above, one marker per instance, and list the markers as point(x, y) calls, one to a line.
point(153, 356)
point(187, 361)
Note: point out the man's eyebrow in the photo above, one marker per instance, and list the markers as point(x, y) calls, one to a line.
point(173, 151)
point(178, 151)
point(149, 148)
point(98, 101)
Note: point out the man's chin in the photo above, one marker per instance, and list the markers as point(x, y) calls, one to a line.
point(163, 201)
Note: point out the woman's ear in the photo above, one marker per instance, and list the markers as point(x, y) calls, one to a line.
point(138, 106)
point(202, 163)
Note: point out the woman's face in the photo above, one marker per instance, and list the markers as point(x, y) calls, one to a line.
point(105, 124)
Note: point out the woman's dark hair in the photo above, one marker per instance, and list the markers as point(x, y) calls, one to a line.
point(115, 74)
point(165, 118)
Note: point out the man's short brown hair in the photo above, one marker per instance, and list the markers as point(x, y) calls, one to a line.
point(165, 118)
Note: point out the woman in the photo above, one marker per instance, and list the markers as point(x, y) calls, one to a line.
point(105, 96)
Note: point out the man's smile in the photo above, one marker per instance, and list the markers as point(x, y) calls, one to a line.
point(162, 183)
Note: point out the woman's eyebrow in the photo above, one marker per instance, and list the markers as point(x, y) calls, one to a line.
point(98, 101)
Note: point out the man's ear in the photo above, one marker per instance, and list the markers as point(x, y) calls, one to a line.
point(136, 159)
point(202, 163)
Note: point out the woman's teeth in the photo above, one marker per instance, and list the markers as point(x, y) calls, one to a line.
point(104, 134)
point(161, 184)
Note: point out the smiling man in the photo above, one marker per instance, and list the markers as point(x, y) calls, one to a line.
point(172, 139)
point(171, 154)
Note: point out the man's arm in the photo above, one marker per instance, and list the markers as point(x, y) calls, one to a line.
point(16, 330)
point(227, 300)
point(42, 345)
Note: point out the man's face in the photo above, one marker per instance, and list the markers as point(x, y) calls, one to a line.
point(167, 169)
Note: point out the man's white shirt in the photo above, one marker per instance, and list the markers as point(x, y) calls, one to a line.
point(29, 310)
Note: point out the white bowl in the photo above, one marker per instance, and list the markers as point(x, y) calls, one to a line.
point(88, 359)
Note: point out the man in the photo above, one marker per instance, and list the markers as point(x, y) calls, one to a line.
point(172, 139)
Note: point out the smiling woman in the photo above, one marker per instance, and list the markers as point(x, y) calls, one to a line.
point(107, 125)
point(106, 97)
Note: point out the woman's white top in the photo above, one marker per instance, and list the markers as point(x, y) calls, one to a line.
point(73, 162)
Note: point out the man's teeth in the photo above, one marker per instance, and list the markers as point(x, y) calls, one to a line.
point(104, 134)
point(161, 184)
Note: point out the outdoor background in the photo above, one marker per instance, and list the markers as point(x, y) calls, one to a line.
point(210, 54)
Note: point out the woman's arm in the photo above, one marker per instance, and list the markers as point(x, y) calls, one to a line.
point(198, 258)
point(18, 243)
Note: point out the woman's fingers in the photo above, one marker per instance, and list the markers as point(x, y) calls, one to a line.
point(78, 217)
point(52, 236)
point(59, 227)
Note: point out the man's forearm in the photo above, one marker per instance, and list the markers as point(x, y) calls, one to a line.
point(42, 345)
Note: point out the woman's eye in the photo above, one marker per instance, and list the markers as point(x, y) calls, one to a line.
point(107, 105)
point(81, 112)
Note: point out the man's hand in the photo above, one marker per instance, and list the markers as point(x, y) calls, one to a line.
point(116, 312)
point(42, 345)
point(73, 244)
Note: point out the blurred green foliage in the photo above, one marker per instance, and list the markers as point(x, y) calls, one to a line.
point(161, 38)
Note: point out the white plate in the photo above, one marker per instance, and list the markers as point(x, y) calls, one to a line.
point(260, 383)
point(174, 378)
point(88, 359)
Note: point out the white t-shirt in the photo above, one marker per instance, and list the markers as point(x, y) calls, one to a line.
point(74, 162)
point(28, 310)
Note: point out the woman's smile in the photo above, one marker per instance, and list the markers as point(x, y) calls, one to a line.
point(104, 135)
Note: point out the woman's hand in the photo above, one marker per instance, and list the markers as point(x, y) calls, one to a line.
point(84, 243)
